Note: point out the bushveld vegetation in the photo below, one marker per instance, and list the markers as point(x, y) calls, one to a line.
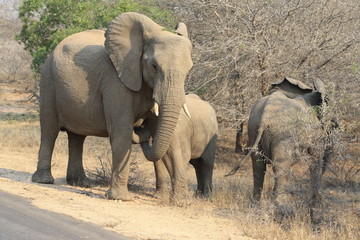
point(240, 48)
point(45, 23)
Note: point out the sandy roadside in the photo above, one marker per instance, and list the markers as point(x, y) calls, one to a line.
point(143, 218)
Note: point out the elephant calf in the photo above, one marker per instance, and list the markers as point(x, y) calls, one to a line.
point(276, 133)
point(194, 141)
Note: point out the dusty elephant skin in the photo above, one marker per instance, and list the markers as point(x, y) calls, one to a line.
point(99, 83)
point(194, 141)
point(271, 137)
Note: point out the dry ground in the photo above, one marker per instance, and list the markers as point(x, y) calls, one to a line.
point(229, 214)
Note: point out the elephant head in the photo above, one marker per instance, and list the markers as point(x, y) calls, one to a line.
point(297, 90)
point(143, 52)
point(290, 87)
point(312, 97)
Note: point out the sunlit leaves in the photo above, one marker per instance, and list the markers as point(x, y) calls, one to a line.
point(47, 22)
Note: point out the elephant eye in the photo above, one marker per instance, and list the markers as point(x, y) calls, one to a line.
point(154, 67)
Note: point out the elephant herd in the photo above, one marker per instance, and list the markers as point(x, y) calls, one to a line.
point(127, 83)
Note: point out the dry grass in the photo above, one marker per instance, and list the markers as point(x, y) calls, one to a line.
point(339, 211)
point(24, 138)
point(338, 214)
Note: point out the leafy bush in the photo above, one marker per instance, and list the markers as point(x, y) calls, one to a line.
point(47, 22)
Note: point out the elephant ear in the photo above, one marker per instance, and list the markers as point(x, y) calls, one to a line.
point(290, 87)
point(319, 87)
point(181, 29)
point(318, 96)
point(125, 37)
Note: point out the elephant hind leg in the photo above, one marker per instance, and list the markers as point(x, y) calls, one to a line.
point(283, 185)
point(204, 171)
point(75, 171)
point(259, 169)
point(197, 164)
point(204, 167)
point(207, 178)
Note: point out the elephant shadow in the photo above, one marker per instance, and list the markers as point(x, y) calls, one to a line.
point(60, 183)
point(18, 176)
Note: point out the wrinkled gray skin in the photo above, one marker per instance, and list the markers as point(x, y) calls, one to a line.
point(100, 83)
point(270, 139)
point(194, 141)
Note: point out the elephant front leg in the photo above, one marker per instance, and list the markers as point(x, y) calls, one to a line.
point(121, 149)
point(161, 179)
point(177, 172)
point(75, 171)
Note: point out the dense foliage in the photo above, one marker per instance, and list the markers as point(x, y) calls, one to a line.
point(47, 22)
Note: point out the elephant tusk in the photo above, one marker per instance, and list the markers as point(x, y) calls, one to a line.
point(186, 110)
point(156, 109)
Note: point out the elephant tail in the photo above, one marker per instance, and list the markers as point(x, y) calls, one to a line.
point(253, 149)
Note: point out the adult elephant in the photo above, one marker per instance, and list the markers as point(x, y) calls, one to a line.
point(277, 134)
point(194, 141)
point(99, 83)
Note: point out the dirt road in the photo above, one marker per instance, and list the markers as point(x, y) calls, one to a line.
point(20, 220)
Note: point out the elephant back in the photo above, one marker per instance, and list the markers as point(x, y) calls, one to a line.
point(78, 41)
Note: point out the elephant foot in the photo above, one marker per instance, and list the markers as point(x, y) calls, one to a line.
point(161, 194)
point(203, 192)
point(116, 194)
point(283, 208)
point(202, 195)
point(43, 176)
point(78, 180)
point(181, 199)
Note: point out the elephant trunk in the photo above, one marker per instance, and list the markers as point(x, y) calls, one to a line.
point(170, 95)
point(169, 115)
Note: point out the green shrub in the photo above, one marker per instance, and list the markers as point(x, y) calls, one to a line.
point(47, 22)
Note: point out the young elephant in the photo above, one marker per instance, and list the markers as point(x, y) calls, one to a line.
point(275, 122)
point(194, 141)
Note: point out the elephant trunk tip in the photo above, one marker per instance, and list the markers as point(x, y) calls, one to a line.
point(149, 155)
